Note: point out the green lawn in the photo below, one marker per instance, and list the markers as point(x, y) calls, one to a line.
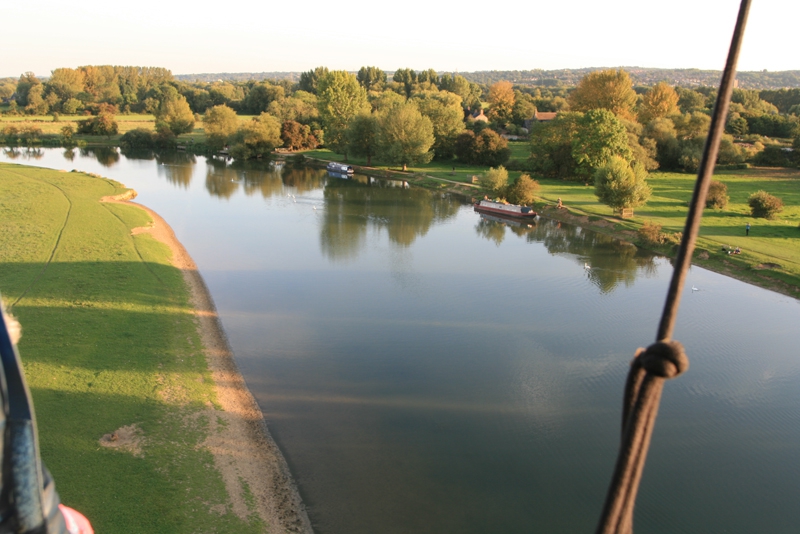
point(109, 341)
point(770, 241)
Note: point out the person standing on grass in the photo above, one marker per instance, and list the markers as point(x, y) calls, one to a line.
point(747, 229)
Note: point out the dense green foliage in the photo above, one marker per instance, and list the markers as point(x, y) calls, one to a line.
point(620, 185)
point(717, 195)
point(495, 181)
point(523, 191)
point(485, 148)
point(405, 136)
point(764, 205)
point(665, 125)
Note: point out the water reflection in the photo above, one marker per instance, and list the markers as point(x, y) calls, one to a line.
point(607, 262)
point(107, 156)
point(176, 167)
point(354, 205)
point(69, 154)
point(14, 153)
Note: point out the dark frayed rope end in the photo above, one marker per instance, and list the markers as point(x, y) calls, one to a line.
point(666, 359)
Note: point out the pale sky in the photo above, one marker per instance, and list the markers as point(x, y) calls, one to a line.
point(238, 36)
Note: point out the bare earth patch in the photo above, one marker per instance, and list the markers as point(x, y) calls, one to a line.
point(762, 266)
point(128, 439)
point(243, 449)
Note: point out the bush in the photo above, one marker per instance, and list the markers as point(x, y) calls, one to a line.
point(138, 138)
point(102, 124)
point(143, 138)
point(523, 191)
point(764, 205)
point(651, 234)
point(619, 185)
point(495, 180)
point(717, 195)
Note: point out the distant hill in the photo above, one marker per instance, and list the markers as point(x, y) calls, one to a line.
point(564, 77)
point(238, 76)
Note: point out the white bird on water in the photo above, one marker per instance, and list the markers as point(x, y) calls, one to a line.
point(695, 289)
point(587, 266)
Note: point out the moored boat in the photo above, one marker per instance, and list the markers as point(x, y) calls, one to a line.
point(505, 210)
point(339, 168)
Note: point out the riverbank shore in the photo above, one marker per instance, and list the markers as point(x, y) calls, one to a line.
point(143, 419)
point(238, 436)
point(752, 266)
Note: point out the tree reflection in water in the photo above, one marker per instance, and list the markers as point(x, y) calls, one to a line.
point(611, 261)
point(352, 206)
point(25, 153)
point(107, 156)
point(176, 167)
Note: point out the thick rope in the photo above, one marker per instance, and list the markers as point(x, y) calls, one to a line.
point(664, 359)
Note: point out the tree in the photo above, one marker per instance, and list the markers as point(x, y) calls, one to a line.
point(102, 124)
point(605, 89)
point(523, 191)
point(428, 76)
point(297, 136)
point(524, 107)
point(362, 136)
point(495, 181)
point(66, 134)
point(309, 81)
point(175, 114)
point(551, 146)
point(689, 100)
point(483, 148)
point(406, 77)
point(660, 101)
point(405, 135)
point(470, 93)
point(340, 99)
point(370, 77)
point(501, 97)
point(260, 96)
point(256, 138)
point(620, 185)
point(37, 105)
point(26, 81)
point(300, 107)
point(600, 135)
point(219, 123)
point(445, 112)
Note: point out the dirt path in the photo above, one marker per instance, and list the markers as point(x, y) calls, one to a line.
point(244, 451)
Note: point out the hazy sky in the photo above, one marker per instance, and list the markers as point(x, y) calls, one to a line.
point(239, 36)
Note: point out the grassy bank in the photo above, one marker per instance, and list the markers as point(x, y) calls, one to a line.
point(51, 129)
point(770, 255)
point(109, 345)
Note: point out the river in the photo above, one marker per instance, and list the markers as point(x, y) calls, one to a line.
point(427, 370)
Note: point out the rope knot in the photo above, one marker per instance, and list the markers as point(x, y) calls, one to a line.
point(666, 359)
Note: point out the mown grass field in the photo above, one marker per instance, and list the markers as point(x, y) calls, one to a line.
point(109, 341)
point(126, 123)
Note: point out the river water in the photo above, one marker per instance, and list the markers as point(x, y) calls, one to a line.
point(427, 370)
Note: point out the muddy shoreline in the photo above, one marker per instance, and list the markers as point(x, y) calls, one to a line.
point(245, 450)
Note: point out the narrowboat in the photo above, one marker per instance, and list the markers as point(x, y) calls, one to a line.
point(505, 210)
